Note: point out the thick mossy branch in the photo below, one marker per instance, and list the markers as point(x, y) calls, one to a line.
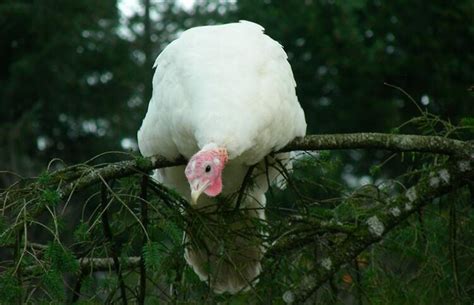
point(107, 264)
point(118, 170)
point(399, 143)
point(392, 142)
point(96, 264)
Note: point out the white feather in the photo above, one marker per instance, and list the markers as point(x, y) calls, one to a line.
point(230, 85)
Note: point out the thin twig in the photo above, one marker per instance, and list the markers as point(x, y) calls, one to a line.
point(267, 168)
point(243, 187)
point(144, 219)
point(76, 293)
point(420, 213)
point(18, 257)
point(452, 249)
point(113, 248)
point(407, 95)
point(358, 282)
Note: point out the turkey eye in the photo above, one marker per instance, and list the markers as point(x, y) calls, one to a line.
point(208, 169)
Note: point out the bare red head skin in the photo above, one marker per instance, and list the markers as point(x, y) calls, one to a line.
point(204, 171)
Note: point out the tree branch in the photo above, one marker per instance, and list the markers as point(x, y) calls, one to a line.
point(398, 143)
point(94, 264)
point(457, 174)
point(392, 142)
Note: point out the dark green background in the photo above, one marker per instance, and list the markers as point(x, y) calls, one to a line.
point(70, 80)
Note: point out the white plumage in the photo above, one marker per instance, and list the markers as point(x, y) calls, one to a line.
point(230, 85)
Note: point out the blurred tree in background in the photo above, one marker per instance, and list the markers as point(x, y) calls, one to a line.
point(65, 80)
point(75, 79)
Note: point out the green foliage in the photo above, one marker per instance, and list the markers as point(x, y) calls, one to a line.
point(10, 288)
point(141, 162)
point(338, 212)
point(6, 236)
point(172, 231)
point(44, 178)
point(63, 78)
point(468, 122)
point(324, 155)
point(81, 232)
point(374, 170)
point(49, 197)
point(395, 130)
point(52, 281)
point(412, 263)
point(60, 259)
point(152, 255)
point(91, 302)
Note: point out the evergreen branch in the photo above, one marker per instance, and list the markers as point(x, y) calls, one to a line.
point(455, 175)
point(341, 253)
point(451, 177)
point(399, 143)
point(118, 170)
point(94, 264)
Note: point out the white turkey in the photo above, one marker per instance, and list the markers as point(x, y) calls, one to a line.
point(224, 98)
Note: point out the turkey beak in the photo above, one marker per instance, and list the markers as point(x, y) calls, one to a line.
point(196, 190)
